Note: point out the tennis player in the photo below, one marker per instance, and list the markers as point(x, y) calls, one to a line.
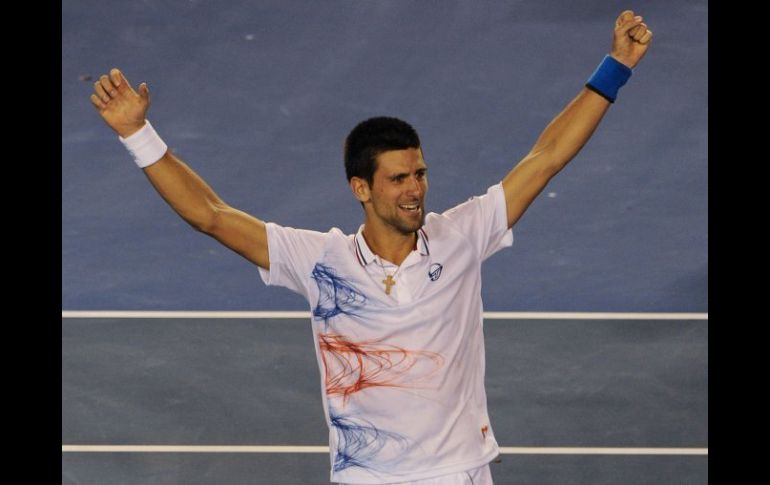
point(396, 307)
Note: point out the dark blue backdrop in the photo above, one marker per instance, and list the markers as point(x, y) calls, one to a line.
point(258, 97)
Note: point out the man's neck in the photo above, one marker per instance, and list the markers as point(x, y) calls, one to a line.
point(390, 245)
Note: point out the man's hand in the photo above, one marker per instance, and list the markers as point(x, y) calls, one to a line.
point(631, 39)
point(122, 108)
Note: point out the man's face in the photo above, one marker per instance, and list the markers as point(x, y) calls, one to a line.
point(398, 189)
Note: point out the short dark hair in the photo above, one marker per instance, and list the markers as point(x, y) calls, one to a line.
point(374, 136)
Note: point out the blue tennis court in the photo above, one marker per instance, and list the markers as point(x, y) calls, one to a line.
point(597, 336)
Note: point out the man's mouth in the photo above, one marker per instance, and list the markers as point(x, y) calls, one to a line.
point(410, 207)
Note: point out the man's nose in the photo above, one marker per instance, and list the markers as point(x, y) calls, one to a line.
point(415, 187)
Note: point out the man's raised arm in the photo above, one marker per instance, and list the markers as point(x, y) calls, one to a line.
point(566, 134)
point(124, 110)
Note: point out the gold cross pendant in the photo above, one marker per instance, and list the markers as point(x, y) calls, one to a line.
point(389, 281)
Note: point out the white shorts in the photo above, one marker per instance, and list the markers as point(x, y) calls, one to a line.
point(478, 476)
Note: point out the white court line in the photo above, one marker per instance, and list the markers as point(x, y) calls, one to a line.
point(505, 450)
point(306, 315)
point(509, 450)
point(191, 449)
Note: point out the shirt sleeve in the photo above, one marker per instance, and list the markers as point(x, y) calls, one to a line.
point(293, 254)
point(484, 220)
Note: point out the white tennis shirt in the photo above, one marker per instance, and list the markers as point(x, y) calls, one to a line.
point(402, 375)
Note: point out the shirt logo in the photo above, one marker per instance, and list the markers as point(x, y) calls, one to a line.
point(435, 271)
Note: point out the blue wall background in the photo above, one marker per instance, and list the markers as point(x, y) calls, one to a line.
point(258, 97)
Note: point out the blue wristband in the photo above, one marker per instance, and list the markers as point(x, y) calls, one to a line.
point(608, 78)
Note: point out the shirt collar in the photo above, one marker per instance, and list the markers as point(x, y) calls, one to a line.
point(366, 256)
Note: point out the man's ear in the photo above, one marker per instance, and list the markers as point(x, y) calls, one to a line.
point(360, 189)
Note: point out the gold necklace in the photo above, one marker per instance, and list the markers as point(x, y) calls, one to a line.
point(389, 280)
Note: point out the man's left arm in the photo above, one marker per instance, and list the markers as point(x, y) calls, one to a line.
point(566, 134)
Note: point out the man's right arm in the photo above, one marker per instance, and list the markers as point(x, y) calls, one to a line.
point(124, 110)
point(195, 202)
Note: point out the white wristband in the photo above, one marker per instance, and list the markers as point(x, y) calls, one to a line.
point(145, 145)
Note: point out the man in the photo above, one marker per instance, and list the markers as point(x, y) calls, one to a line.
point(396, 307)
